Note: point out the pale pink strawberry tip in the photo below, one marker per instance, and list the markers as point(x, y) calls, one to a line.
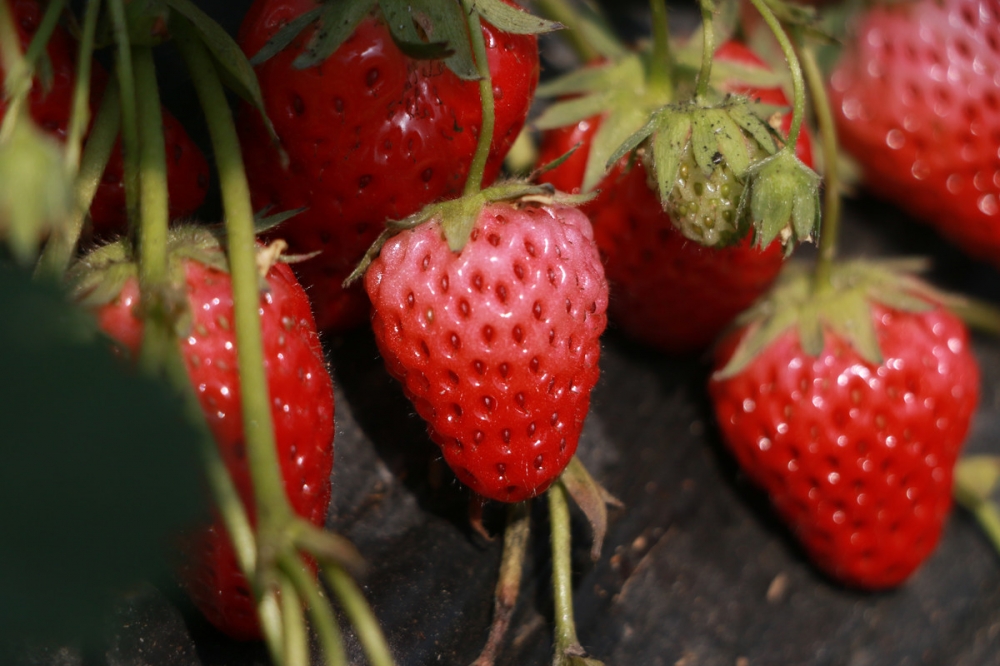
point(496, 346)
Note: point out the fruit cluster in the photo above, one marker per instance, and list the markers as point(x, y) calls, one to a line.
point(365, 180)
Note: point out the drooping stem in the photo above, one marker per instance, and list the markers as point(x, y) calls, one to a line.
point(661, 67)
point(322, 616)
point(562, 573)
point(794, 67)
point(273, 510)
point(831, 174)
point(707, 48)
point(360, 615)
point(515, 547)
point(61, 246)
point(474, 181)
point(130, 125)
point(80, 116)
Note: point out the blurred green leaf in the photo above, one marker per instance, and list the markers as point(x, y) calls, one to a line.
point(99, 471)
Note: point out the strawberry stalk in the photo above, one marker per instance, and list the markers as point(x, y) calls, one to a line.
point(61, 246)
point(707, 48)
point(154, 206)
point(300, 584)
point(661, 67)
point(80, 114)
point(567, 644)
point(474, 182)
point(515, 547)
point(360, 615)
point(130, 128)
point(794, 67)
point(296, 640)
point(831, 201)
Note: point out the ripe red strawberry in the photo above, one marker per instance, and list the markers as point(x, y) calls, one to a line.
point(916, 98)
point(299, 384)
point(667, 291)
point(187, 169)
point(372, 135)
point(497, 345)
point(856, 454)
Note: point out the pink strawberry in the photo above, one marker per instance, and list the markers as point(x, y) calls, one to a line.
point(497, 344)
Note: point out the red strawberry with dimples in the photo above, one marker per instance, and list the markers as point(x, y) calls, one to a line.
point(299, 385)
point(187, 169)
point(497, 344)
point(667, 291)
point(855, 447)
point(372, 135)
point(916, 97)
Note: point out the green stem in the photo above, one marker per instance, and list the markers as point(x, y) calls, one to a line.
point(360, 615)
point(269, 613)
point(154, 211)
point(831, 196)
point(294, 625)
point(562, 572)
point(707, 48)
point(61, 246)
point(323, 620)
point(45, 29)
point(798, 88)
point(477, 168)
point(273, 510)
point(80, 116)
point(661, 68)
point(130, 124)
point(563, 12)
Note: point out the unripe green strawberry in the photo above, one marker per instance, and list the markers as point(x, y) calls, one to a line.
point(497, 344)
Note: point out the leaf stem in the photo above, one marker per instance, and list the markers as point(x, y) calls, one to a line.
point(80, 116)
point(831, 174)
point(562, 573)
point(477, 168)
point(61, 246)
point(794, 67)
point(707, 48)
point(360, 615)
point(661, 67)
point(273, 510)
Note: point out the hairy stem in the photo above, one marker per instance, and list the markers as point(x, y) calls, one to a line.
point(474, 182)
point(831, 174)
point(360, 615)
point(154, 212)
point(707, 48)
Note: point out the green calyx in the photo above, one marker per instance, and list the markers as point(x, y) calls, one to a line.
point(781, 201)
point(423, 29)
point(458, 216)
point(841, 307)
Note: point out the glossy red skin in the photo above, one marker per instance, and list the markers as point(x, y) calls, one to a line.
point(187, 169)
point(916, 99)
point(301, 392)
point(497, 346)
point(666, 291)
point(372, 135)
point(857, 459)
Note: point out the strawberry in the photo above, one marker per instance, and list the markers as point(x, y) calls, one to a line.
point(187, 169)
point(667, 291)
point(916, 97)
point(299, 385)
point(496, 344)
point(371, 134)
point(851, 420)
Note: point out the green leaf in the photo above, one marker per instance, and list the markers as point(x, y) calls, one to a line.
point(443, 21)
point(100, 471)
point(714, 138)
point(513, 20)
point(337, 22)
point(285, 36)
point(751, 123)
point(234, 68)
